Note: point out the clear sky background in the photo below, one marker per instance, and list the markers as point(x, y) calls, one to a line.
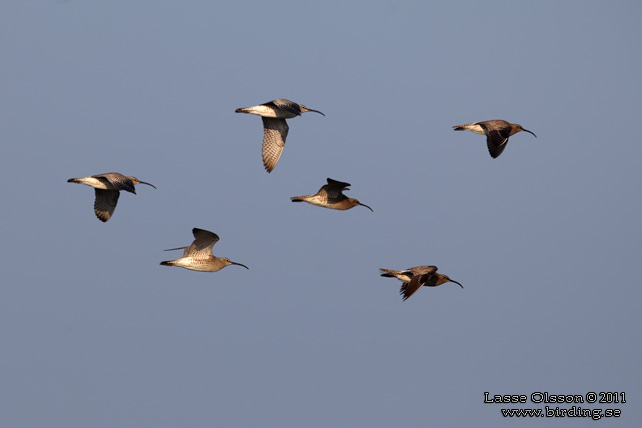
point(546, 239)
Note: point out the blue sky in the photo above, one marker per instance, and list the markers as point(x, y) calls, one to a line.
point(545, 239)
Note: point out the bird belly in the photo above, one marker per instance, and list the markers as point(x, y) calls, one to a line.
point(194, 264)
point(318, 201)
point(342, 205)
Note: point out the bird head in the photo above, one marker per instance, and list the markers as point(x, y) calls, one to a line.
point(519, 127)
point(304, 109)
point(354, 203)
point(137, 181)
point(446, 279)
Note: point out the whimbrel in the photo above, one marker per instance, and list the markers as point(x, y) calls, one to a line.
point(496, 131)
point(198, 256)
point(331, 196)
point(108, 187)
point(415, 277)
point(275, 128)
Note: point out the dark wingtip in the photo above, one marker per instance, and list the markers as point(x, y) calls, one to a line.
point(493, 152)
point(165, 263)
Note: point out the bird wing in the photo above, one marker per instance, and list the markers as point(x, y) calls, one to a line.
point(422, 270)
point(287, 105)
point(204, 240)
point(405, 292)
point(338, 184)
point(178, 248)
point(332, 191)
point(275, 133)
point(416, 282)
point(105, 203)
point(496, 140)
point(409, 288)
point(119, 181)
point(331, 194)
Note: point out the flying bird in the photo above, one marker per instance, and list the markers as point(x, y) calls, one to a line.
point(108, 187)
point(331, 196)
point(198, 256)
point(414, 278)
point(275, 128)
point(496, 131)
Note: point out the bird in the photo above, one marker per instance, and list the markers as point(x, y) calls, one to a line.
point(198, 256)
point(496, 131)
point(331, 196)
point(416, 277)
point(108, 187)
point(275, 128)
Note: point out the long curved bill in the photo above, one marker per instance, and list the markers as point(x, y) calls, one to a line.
point(526, 130)
point(316, 111)
point(239, 264)
point(149, 184)
point(457, 283)
point(364, 205)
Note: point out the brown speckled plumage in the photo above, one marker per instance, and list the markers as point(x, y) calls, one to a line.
point(414, 278)
point(198, 256)
point(331, 196)
point(108, 187)
point(275, 128)
point(496, 131)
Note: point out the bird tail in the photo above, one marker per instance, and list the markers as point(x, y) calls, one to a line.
point(474, 127)
point(387, 273)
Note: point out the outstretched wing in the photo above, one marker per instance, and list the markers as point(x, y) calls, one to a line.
point(416, 282)
point(275, 133)
point(337, 184)
point(105, 203)
point(333, 191)
point(496, 140)
point(204, 240)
